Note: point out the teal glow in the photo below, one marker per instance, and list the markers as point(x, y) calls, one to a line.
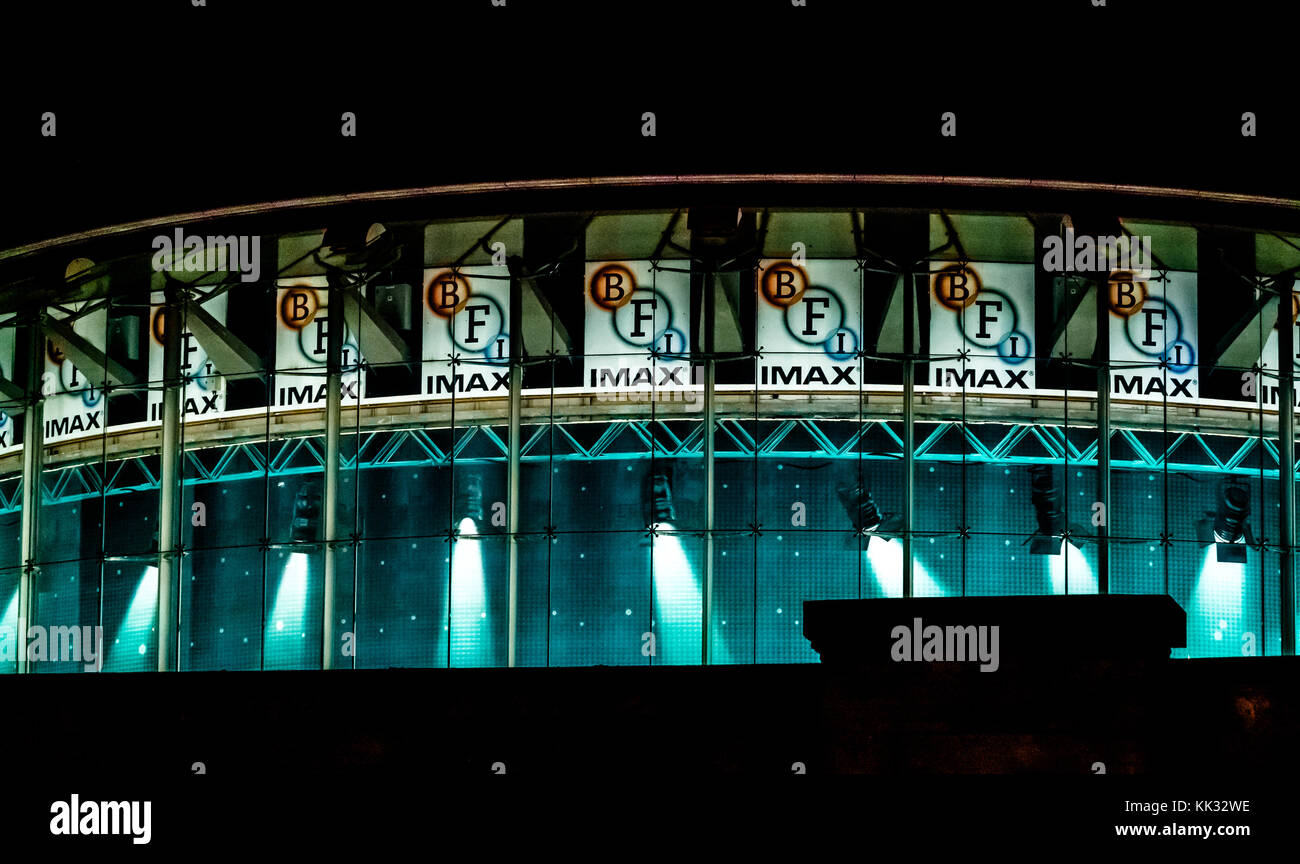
point(1215, 619)
point(1071, 563)
point(286, 642)
point(678, 602)
point(471, 635)
point(136, 632)
point(9, 632)
point(885, 560)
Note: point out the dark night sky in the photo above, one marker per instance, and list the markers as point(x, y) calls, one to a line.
point(167, 108)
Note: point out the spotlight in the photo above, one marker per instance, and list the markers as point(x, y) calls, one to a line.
point(1226, 527)
point(867, 518)
point(657, 498)
point(1049, 537)
point(467, 502)
point(306, 514)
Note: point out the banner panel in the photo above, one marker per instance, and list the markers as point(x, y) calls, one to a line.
point(982, 326)
point(466, 332)
point(808, 324)
point(1153, 337)
point(302, 346)
point(634, 312)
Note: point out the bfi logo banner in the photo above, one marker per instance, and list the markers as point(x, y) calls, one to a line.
point(302, 346)
point(637, 327)
point(8, 428)
point(1269, 362)
point(74, 403)
point(808, 325)
point(466, 319)
point(982, 318)
point(205, 392)
point(1153, 348)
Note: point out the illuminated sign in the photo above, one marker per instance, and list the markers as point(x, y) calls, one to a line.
point(466, 332)
point(808, 325)
point(637, 327)
point(1153, 345)
point(982, 326)
point(302, 347)
point(205, 391)
point(74, 403)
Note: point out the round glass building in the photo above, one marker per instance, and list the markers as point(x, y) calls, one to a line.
point(436, 431)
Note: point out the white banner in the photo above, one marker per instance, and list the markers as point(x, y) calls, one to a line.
point(302, 347)
point(466, 332)
point(808, 325)
point(982, 325)
point(74, 404)
point(1153, 342)
point(633, 311)
point(205, 390)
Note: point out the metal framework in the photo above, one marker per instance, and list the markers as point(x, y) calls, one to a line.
point(624, 440)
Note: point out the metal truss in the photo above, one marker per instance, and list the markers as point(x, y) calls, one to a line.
point(644, 439)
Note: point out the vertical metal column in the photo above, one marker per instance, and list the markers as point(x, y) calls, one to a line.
point(1286, 465)
point(333, 417)
point(909, 434)
point(1103, 435)
point(710, 311)
point(168, 477)
point(33, 459)
point(512, 473)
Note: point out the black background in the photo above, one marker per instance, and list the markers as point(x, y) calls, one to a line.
point(165, 108)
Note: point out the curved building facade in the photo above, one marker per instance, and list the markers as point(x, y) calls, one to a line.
point(538, 436)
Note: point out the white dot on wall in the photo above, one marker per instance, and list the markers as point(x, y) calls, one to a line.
point(222, 630)
point(553, 612)
point(279, 625)
point(245, 640)
point(412, 617)
point(941, 489)
point(1006, 542)
point(1006, 470)
point(582, 623)
point(627, 611)
point(796, 485)
point(582, 554)
point(724, 553)
point(931, 469)
point(482, 615)
point(584, 489)
point(142, 649)
point(796, 553)
point(724, 623)
point(778, 611)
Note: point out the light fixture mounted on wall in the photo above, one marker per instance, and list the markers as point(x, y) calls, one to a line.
point(1226, 526)
point(867, 518)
